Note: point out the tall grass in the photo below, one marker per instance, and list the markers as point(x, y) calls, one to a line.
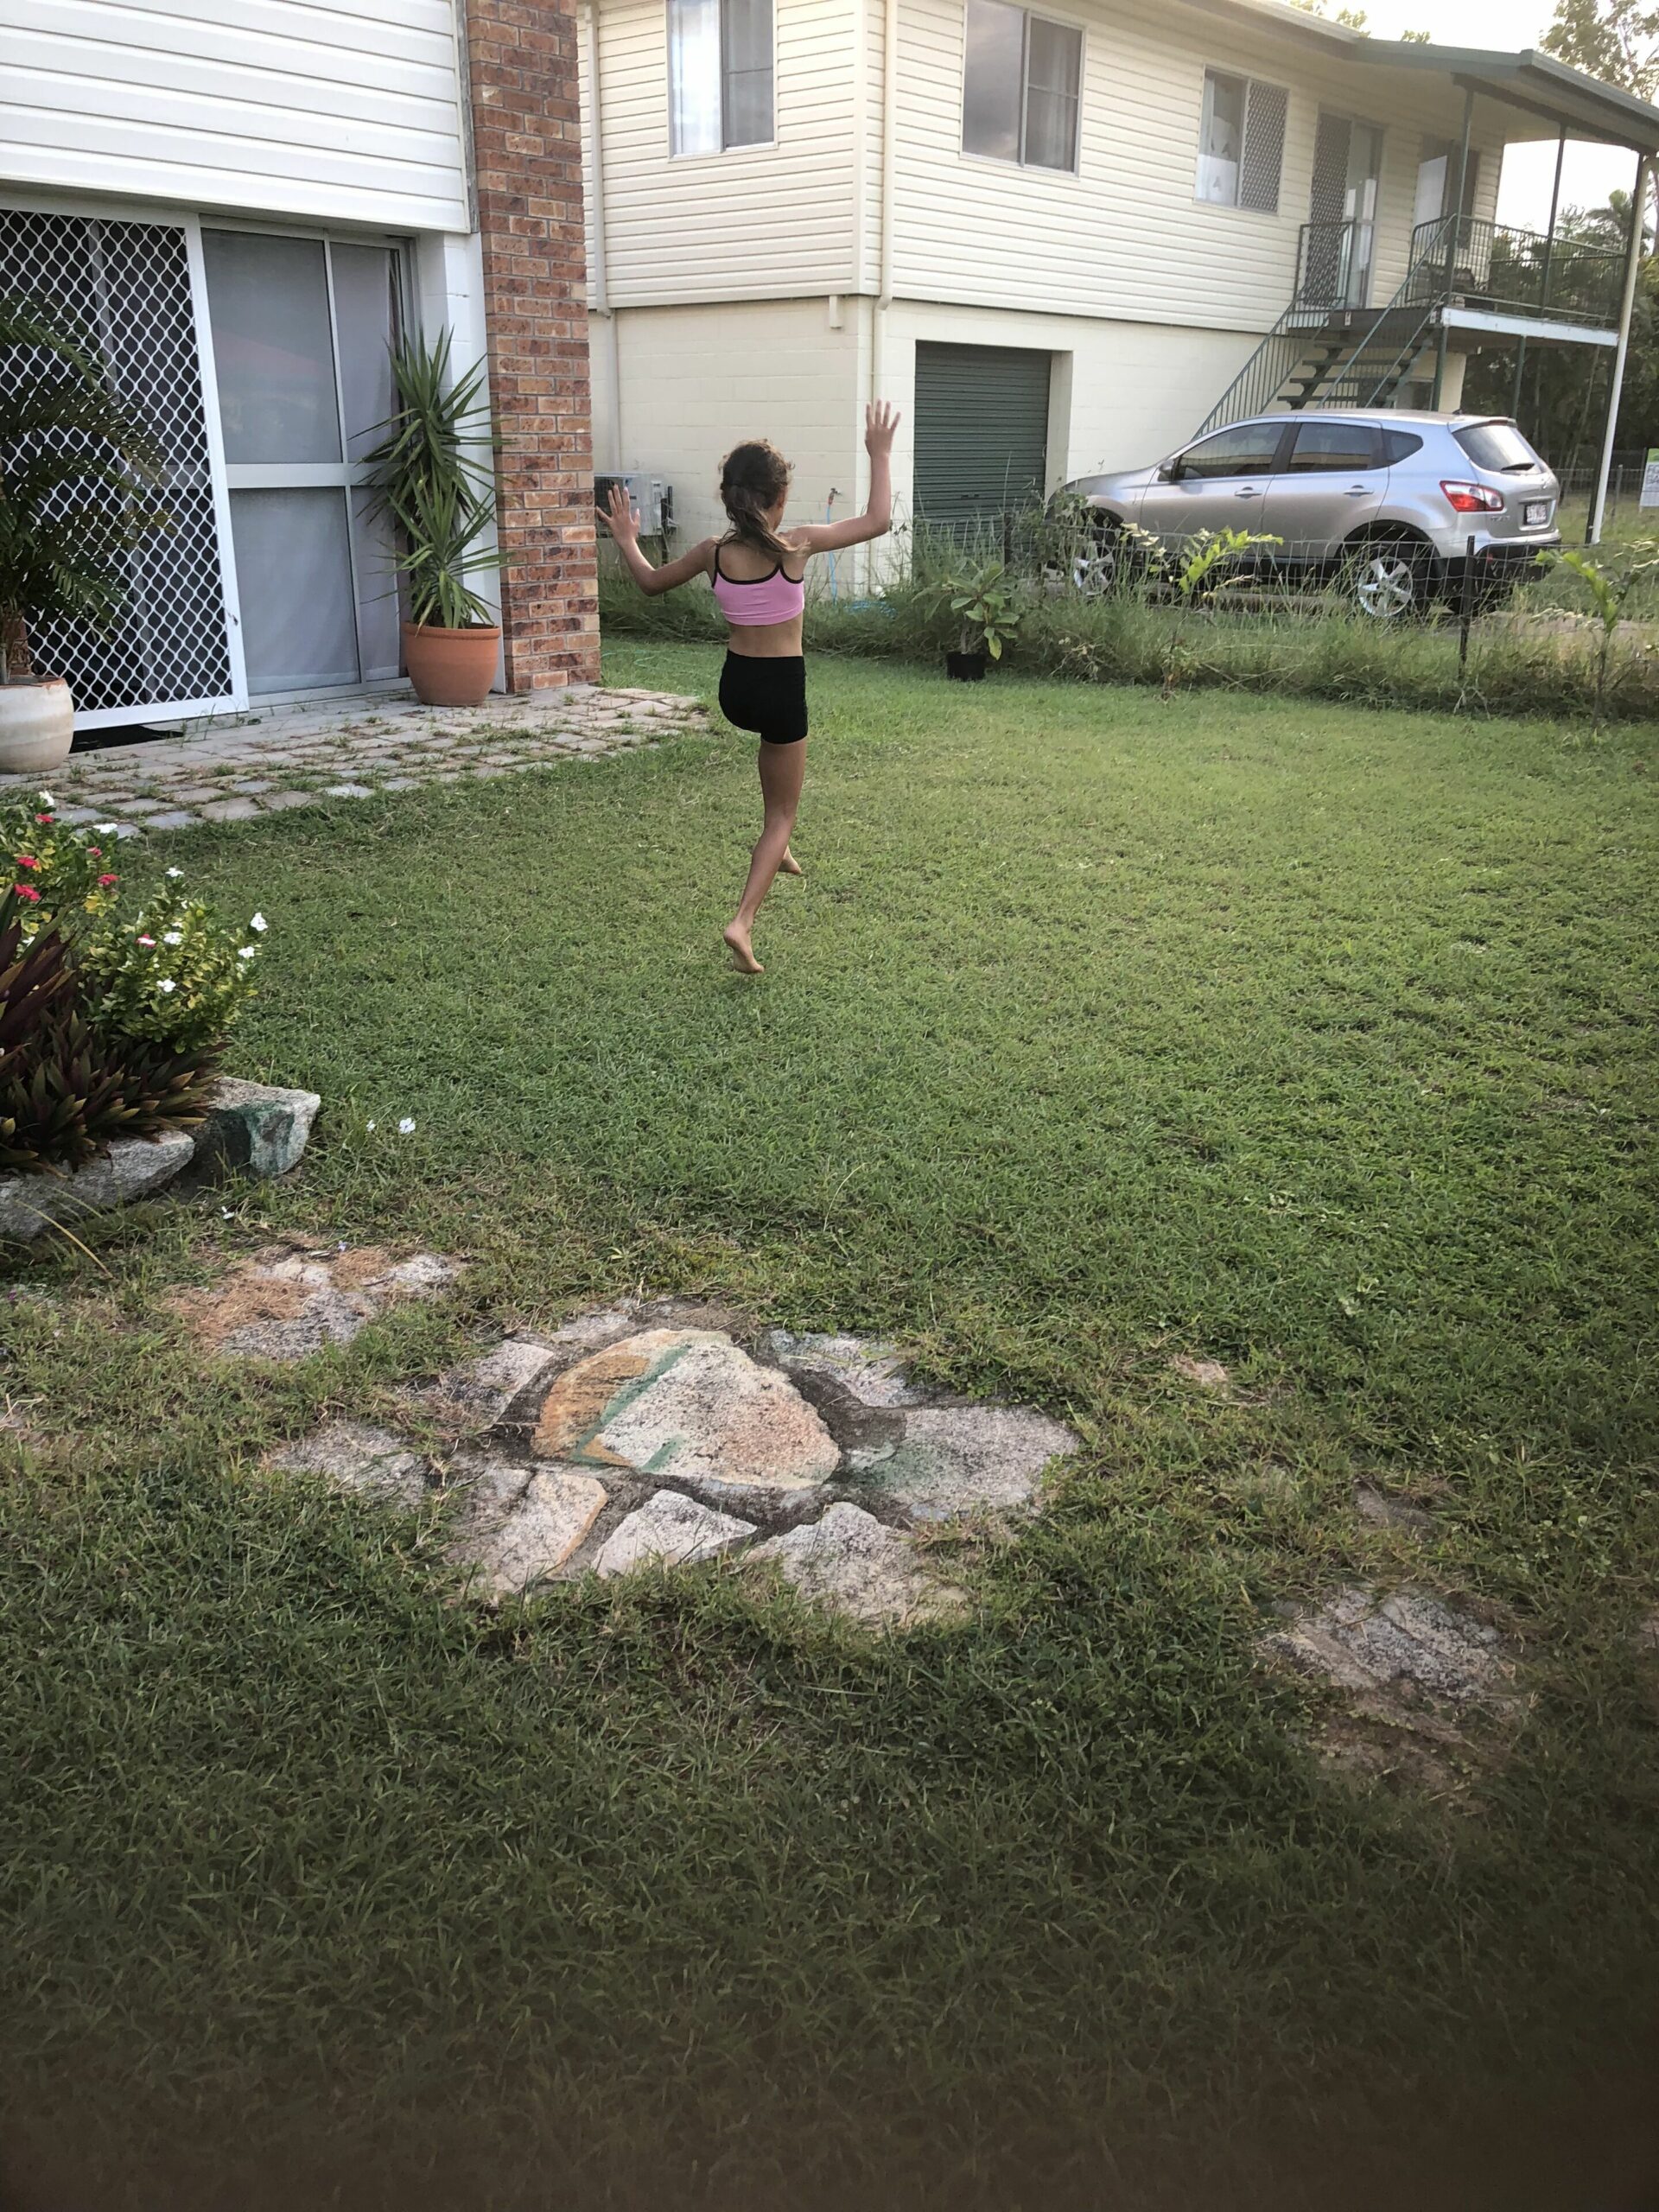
point(1315, 647)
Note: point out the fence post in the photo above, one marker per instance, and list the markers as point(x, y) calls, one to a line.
point(1467, 611)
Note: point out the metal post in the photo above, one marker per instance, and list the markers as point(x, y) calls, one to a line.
point(1543, 281)
point(1626, 310)
point(1454, 231)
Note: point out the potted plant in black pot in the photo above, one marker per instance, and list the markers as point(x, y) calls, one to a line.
point(76, 466)
point(435, 476)
point(981, 608)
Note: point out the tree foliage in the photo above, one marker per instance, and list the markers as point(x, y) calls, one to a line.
point(1615, 39)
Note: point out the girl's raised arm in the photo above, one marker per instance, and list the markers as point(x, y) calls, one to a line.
point(880, 421)
point(624, 529)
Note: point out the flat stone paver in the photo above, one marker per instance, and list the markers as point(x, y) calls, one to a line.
point(643, 1433)
point(1406, 1643)
point(239, 768)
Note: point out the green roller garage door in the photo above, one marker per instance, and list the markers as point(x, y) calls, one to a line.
point(982, 432)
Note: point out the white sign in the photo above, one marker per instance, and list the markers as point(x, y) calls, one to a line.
point(1650, 479)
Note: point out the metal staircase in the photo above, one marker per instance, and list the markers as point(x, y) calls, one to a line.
point(1322, 353)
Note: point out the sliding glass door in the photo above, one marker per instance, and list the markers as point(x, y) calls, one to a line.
point(303, 329)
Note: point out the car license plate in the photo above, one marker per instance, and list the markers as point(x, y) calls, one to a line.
point(1535, 513)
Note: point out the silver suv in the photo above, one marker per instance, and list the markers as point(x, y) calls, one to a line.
point(1387, 502)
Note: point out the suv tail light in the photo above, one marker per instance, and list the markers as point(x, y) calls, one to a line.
point(1473, 498)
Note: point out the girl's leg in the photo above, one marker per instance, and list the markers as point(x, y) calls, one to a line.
point(782, 767)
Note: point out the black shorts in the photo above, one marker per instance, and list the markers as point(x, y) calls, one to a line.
point(766, 696)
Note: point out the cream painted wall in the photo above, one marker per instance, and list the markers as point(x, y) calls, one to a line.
point(695, 381)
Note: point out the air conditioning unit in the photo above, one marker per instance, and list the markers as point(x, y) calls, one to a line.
point(653, 500)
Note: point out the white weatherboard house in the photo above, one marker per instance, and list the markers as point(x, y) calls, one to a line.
point(241, 201)
point(1062, 238)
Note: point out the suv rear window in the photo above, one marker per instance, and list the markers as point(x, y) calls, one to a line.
point(1497, 445)
point(1400, 445)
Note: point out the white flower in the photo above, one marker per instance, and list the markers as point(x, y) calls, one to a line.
point(246, 951)
point(174, 874)
point(171, 936)
point(368, 1125)
point(260, 924)
point(167, 983)
point(45, 799)
point(406, 1128)
point(104, 829)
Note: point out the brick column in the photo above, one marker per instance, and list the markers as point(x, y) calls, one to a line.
point(527, 155)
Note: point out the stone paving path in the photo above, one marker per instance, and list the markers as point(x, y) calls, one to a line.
point(240, 768)
point(642, 1435)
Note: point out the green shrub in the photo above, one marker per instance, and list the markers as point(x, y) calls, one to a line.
point(109, 1026)
point(1121, 628)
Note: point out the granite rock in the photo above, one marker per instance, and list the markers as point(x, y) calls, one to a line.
point(133, 1167)
point(354, 1456)
point(853, 1564)
point(255, 1127)
point(963, 1460)
point(669, 1530)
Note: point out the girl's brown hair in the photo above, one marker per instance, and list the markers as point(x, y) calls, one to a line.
point(753, 476)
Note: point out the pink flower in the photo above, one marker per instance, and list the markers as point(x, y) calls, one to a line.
point(45, 817)
point(96, 852)
point(104, 881)
point(26, 859)
point(147, 940)
point(28, 891)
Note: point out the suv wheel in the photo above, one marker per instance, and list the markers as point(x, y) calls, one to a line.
point(1391, 578)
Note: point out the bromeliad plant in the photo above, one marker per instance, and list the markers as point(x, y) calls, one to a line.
point(112, 1024)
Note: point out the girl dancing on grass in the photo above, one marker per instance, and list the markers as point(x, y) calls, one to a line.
point(757, 571)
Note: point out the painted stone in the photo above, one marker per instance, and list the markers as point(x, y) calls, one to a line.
point(853, 1564)
point(514, 1529)
point(688, 1406)
point(963, 1460)
point(356, 1457)
point(671, 1530)
point(872, 1372)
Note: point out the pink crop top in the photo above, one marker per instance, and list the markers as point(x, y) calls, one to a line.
point(747, 602)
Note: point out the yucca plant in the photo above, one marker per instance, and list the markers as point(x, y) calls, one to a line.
point(77, 467)
point(435, 475)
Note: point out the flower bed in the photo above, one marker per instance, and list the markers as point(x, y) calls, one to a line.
point(113, 1019)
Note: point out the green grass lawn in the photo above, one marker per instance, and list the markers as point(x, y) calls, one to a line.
point(1104, 1029)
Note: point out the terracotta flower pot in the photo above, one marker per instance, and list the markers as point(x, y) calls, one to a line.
point(37, 725)
point(451, 668)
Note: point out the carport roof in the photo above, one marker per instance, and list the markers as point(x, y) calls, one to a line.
point(1535, 83)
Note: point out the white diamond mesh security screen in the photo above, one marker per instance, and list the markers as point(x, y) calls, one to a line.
point(129, 284)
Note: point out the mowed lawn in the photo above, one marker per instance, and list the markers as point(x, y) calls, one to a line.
point(1104, 1028)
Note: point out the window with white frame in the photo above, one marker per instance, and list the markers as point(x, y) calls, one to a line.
point(1242, 142)
point(1022, 85)
point(720, 74)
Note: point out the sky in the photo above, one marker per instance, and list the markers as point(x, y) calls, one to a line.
point(1508, 26)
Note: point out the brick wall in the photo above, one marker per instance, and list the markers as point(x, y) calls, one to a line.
point(527, 154)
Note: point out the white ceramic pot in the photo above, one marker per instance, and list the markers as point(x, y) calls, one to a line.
point(37, 726)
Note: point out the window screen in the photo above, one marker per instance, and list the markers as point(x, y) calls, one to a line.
point(1240, 142)
point(1022, 82)
point(1322, 447)
point(1250, 450)
point(720, 74)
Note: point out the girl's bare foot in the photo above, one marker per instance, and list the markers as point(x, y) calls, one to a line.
point(742, 952)
point(789, 865)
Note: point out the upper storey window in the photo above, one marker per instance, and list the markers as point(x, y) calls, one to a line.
point(1241, 145)
point(1022, 79)
point(720, 76)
